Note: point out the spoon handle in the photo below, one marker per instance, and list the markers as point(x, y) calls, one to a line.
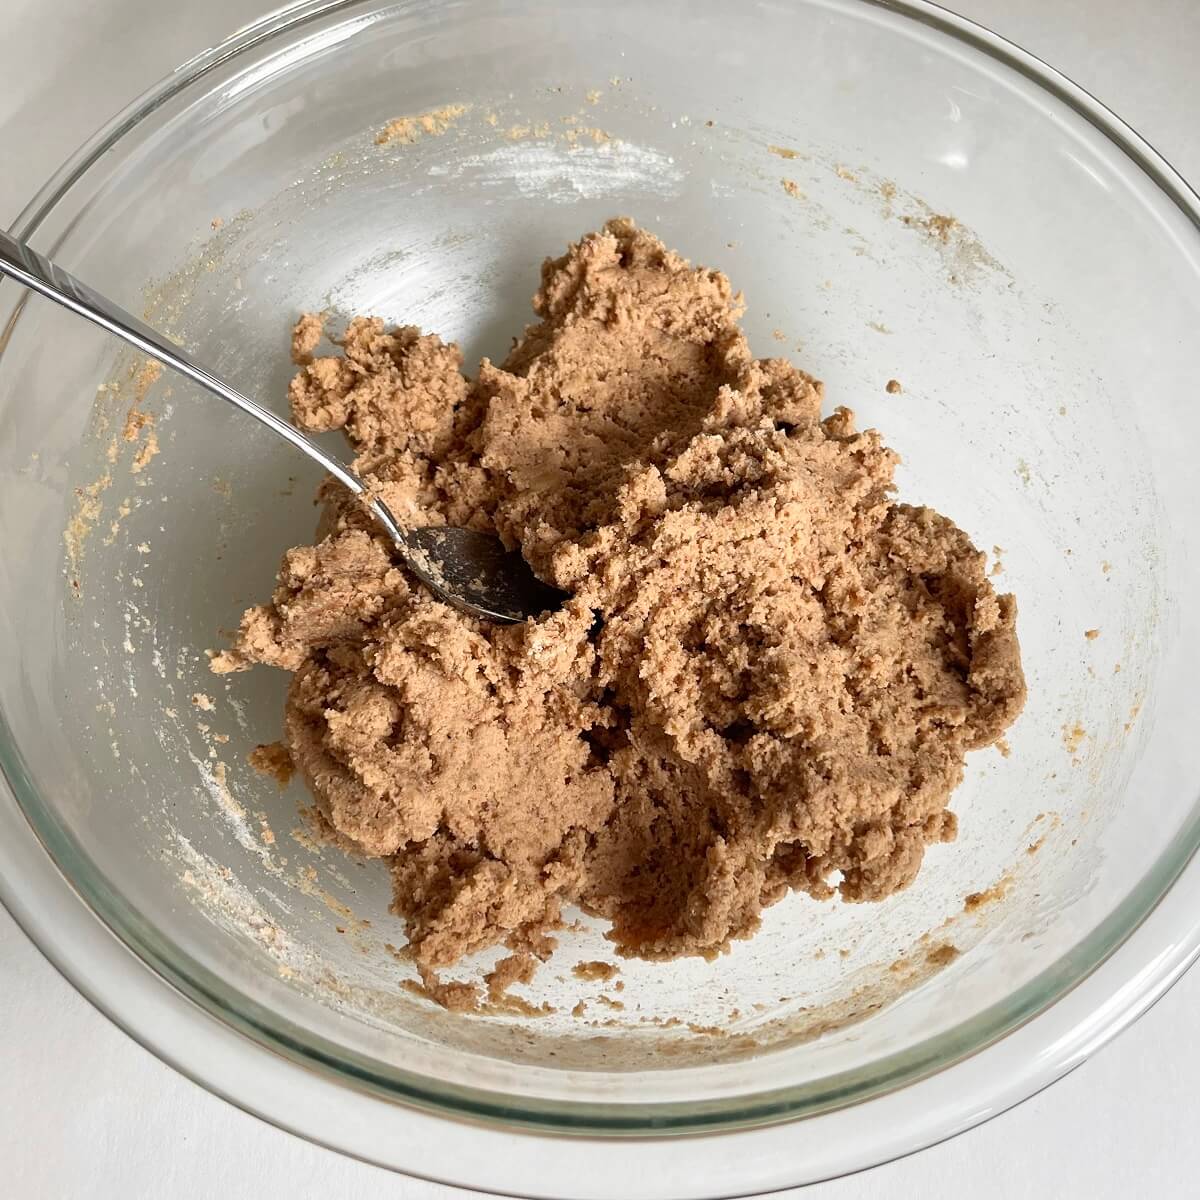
point(24, 264)
point(465, 568)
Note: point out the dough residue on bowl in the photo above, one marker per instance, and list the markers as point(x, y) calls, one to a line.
point(767, 676)
point(433, 123)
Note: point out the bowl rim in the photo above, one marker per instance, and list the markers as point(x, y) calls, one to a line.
point(626, 1120)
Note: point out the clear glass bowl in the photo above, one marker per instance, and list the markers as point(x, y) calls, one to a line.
point(901, 196)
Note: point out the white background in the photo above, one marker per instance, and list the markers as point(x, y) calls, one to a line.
point(84, 1112)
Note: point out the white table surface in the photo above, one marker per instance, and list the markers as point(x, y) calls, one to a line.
point(85, 1112)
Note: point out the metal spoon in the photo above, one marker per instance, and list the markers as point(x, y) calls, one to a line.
point(470, 570)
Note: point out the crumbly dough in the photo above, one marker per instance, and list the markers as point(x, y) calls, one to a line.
point(767, 676)
point(275, 760)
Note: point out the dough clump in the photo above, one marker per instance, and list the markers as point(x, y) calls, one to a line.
point(766, 679)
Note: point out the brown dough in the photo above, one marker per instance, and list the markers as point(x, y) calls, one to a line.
point(768, 675)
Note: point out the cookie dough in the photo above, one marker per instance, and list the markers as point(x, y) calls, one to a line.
point(766, 679)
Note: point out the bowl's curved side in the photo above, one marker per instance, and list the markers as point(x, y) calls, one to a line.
point(486, 1158)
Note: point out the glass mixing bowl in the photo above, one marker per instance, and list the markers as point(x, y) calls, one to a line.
point(901, 196)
